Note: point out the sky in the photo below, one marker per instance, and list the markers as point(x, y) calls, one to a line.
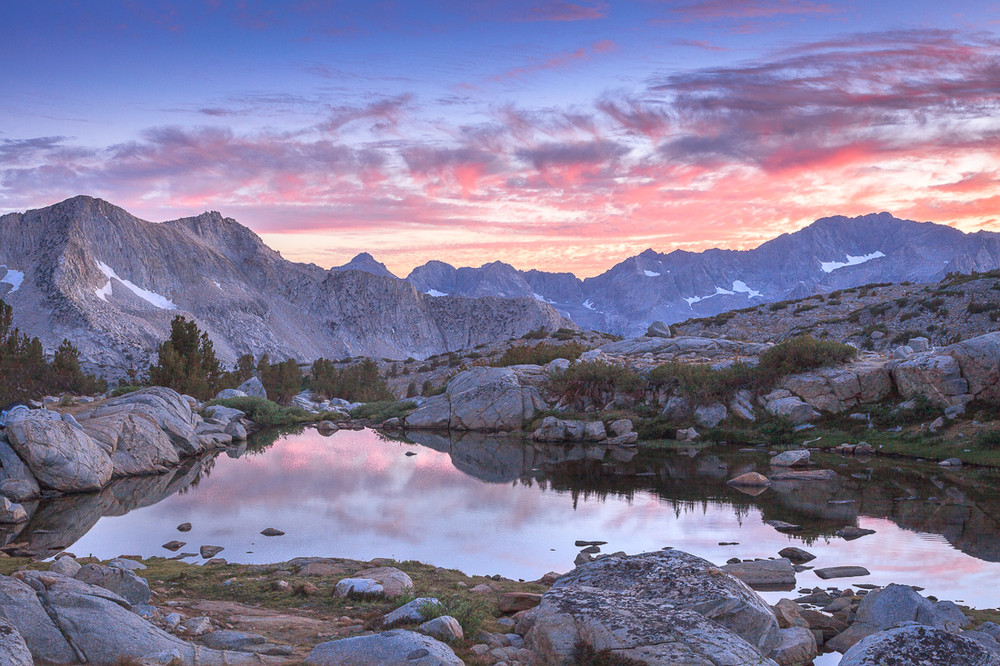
point(563, 136)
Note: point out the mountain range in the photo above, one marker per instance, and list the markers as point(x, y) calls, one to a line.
point(831, 253)
point(89, 271)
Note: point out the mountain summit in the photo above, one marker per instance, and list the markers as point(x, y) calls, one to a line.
point(87, 270)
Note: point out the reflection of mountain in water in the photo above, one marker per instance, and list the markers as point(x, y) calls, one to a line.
point(961, 505)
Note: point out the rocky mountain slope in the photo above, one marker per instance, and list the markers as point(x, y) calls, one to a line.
point(89, 271)
point(832, 253)
point(879, 316)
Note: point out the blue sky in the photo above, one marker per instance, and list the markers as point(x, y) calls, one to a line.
point(538, 132)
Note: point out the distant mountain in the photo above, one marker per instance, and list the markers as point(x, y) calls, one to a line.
point(367, 263)
point(87, 270)
point(832, 253)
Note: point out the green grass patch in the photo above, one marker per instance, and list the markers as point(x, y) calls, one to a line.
point(267, 413)
point(381, 411)
point(539, 354)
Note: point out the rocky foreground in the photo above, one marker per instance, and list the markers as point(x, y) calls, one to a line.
point(664, 607)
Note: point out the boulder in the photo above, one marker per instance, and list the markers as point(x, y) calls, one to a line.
point(795, 458)
point(16, 480)
point(252, 387)
point(979, 361)
point(742, 405)
point(60, 456)
point(414, 611)
point(892, 605)
point(797, 648)
point(917, 644)
point(481, 399)
point(764, 575)
point(934, 376)
point(444, 628)
point(789, 614)
point(552, 429)
point(709, 416)
point(791, 409)
point(165, 407)
point(358, 587)
point(139, 445)
point(226, 394)
point(122, 582)
point(394, 582)
point(67, 621)
point(658, 329)
point(236, 430)
point(67, 566)
point(13, 650)
point(223, 413)
point(661, 607)
point(387, 648)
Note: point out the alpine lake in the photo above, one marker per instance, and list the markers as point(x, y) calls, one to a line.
point(500, 505)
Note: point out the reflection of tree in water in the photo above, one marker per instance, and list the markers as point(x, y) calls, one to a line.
point(260, 441)
point(205, 470)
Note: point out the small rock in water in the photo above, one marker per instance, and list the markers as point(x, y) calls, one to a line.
point(591, 550)
point(796, 555)
point(410, 453)
point(852, 532)
point(782, 526)
point(209, 552)
point(841, 572)
point(270, 531)
point(174, 545)
point(580, 543)
point(752, 479)
point(184, 527)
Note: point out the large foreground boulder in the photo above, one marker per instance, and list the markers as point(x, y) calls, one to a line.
point(13, 650)
point(16, 480)
point(484, 398)
point(389, 648)
point(68, 621)
point(916, 645)
point(60, 455)
point(667, 607)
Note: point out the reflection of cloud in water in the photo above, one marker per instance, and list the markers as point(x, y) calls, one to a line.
point(354, 495)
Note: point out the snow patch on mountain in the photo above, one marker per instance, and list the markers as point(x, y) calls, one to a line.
point(830, 266)
point(589, 304)
point(151, 297)
point(539, 297)
point(13, 278)
point(739, 286)
point(650, 274)
point(435, 293)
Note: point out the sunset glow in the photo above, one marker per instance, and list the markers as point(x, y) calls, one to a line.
point(548, 134)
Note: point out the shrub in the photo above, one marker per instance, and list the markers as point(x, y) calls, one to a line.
point(702, 382)
point(411, 390)
point(268, 413)
point(538, 334)
point(594, 379)
point(803, 353)
point(564, 334)
point(428, 390)
point(585, 654)
point(988, 439)
point(978, 308)
point(472, 612)
point(539, 354)
point(383, 410)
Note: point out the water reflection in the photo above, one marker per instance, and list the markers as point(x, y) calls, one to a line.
point(496, 505)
